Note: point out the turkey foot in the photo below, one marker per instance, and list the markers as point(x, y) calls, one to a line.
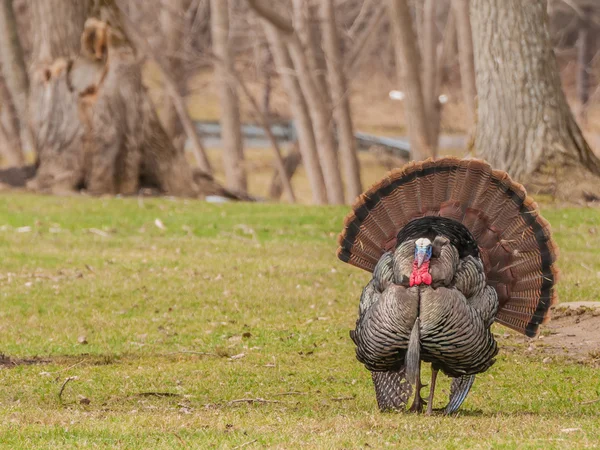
point(419, 403)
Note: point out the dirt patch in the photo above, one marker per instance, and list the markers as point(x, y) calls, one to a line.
point(8, 362)
point(574, 331)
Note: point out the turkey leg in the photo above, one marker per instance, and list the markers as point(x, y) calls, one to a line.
point(434, 373)
point(418, 404)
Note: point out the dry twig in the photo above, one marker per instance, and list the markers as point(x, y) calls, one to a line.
point(62, 388)
point(246, 443)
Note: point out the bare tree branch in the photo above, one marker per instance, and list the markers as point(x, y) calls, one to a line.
point(318, 112)
point(361, 46)
point(231, 132)
point(300, 113)
point(279, 163)
point(267, 12)
point(340, 101)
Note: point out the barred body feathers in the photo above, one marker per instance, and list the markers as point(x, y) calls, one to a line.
point(479, 252)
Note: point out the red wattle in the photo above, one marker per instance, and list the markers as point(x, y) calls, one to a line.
point(420, 275)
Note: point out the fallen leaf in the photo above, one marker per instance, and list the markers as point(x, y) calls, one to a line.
point(98, 232)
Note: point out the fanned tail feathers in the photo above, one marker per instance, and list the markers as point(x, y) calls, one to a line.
point(512, 239)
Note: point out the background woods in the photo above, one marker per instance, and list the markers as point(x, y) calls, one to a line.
point(112, 97)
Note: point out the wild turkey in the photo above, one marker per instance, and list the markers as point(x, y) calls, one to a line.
point(453, 246)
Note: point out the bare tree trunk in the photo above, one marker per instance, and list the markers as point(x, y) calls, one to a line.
point(320, 118)
point(266, 72)
point(408, 67)
point(460, 9)
point(57, 26)
point(585, 43)
point(306, 138)
point(176, 100)
point(11, 150)
point(446, 50)
point(96, 127)
point(430, 88)
point(14, 72)
point(172, 26)
point(291, 162)
point(233, 152)
point(279, 163)
point(309, 34)
point(314, 100)
point(364, 41)
point(340, 101)
point(53, 103)
point(524, 121)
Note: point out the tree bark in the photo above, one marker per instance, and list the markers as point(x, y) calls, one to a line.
point(12, 150)
point(408, 68)
point(460, 9)
point(430, 88)
point(364, 42)
point(585, 55)
point(176, 100)
point(291, 162)
point(233, 152)
point(308, 31)
point(57, 26)
point(446, 50)
point(524, 123)
point(15, 73)
point(172, 26)
point(96, 126)
point(341, 102)
point(302, 121)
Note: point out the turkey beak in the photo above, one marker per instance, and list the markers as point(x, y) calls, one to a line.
point(420, 258)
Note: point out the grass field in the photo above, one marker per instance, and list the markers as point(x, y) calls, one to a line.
point(227, 327)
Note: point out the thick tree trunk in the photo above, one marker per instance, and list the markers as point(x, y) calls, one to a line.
point(233, 152)
point(172, 26)
point(408, 68)
point(341, 102)
point(11, 147)
point(524, 123)
point(53, 102)
point(14, 72)
point(57, 27)
point(95, 125)
point(306, 138)
point(460, 11)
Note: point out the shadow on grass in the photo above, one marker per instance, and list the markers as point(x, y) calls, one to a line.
point(88, 359)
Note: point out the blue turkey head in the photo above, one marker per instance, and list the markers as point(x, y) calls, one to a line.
point(422, 251)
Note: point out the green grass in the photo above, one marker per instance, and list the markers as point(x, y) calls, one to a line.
point(237, 302)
